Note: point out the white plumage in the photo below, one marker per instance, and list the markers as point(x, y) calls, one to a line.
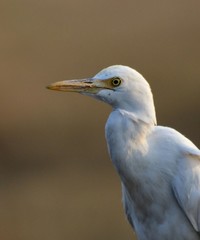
point(159, 168)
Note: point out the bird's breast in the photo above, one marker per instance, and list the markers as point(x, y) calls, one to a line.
point(126, 142)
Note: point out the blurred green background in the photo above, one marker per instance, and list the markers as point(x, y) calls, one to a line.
point(56, 179)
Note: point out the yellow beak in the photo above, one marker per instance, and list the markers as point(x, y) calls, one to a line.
point(81, 85)
point(88, 85)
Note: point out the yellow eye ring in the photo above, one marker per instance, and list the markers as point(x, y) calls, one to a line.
point(116, 81)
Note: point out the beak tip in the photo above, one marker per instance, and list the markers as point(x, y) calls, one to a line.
point(51, 87)
point(48, 87)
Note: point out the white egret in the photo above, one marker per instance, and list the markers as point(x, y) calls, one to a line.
point(159, 168)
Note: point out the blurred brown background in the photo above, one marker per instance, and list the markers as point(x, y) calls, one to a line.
point(56, 179)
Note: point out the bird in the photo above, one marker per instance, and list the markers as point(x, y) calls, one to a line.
point(159, 168)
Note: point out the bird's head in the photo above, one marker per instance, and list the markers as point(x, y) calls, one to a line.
point(120, 86)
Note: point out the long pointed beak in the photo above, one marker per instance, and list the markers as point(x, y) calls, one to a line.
point(87, 85)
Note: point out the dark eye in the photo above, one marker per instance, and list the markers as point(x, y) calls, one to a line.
point(116, 81)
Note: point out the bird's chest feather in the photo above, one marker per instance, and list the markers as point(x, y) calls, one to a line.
point(126, 143)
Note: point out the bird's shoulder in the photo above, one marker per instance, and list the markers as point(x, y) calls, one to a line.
point(169, 139)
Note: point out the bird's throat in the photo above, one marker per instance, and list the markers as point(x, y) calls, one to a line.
point(126, 137)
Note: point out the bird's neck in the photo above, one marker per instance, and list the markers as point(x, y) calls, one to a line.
point(126, 136)
point(125, 127)
point(142, 111)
